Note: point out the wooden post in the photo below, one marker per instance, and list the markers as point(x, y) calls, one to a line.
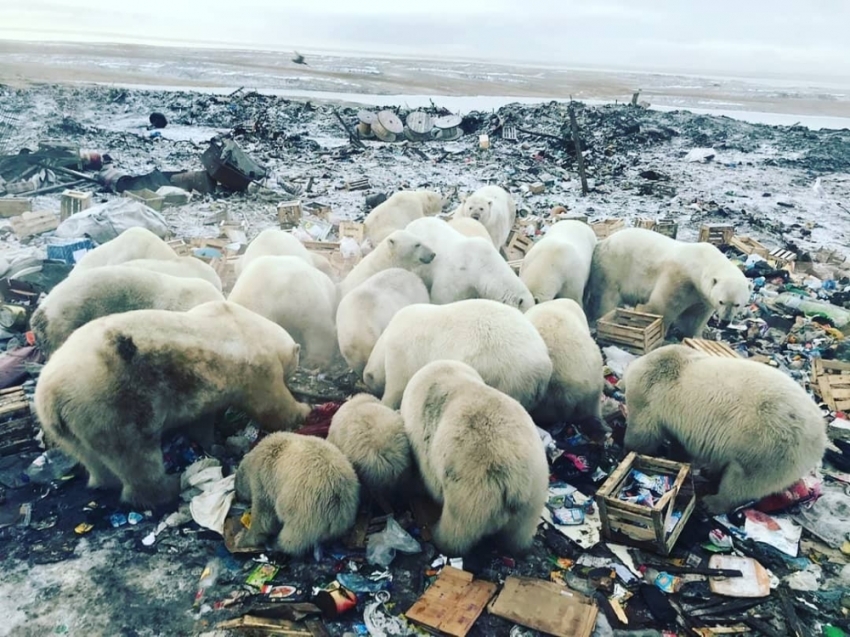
point(635, 97)
point(579, 156)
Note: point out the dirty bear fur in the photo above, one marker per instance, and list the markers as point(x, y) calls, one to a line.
point(498, 341)
point(494, 208)
point(399, 210)
point(742, 421)
point(373, 438)
point(365, 312)
point(111, 290)
point(401, 249)
point(273, 242)
point(575, 389)
point(185, 267)
point(470, 227)
point(479, 455)
point(558, 265)
point(133, 243)
point(301, 488)
point(467, 268)
point(108, 394)
point(296, 296)
point(683, 282)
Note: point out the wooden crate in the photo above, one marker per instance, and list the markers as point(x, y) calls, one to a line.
point(147, 197)
point(748, 245)
point(644, 526)
point(716, 233)
point(225, 269)
point(17, 424)
point(637, 332)
point(32, 223)
point(518, 245)
point(14, 206)
point(712, 348)
point(515, 265)
point(317, 209)
point(180, 246)
point(831, 381)
point(667, 227)
point(289, 214)
point(607, 227)
point(352, 229)
point(783, 258)
point(330, 250)
point(74, 201)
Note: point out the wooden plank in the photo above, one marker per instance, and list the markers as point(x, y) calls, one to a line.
point(712, 348)
point(453, 602)
point(748, 245)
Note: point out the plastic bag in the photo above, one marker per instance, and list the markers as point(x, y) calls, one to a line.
point(349, 248)
point(106, 221)
point(381, 547)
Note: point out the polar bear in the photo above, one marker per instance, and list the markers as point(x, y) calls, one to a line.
point(111, 290)
point(301, 488)
point(744, 422)
point(401, 249)
point(365, 312)
point(494, 208)
point(479, 455)
point(575, 389)
point(298, 297)
point(119, 382)
point(495, 339)
point(683, 282)
point(133, 243)
point(399, 210)
point(372, 437)
point(467, 268)
point(279, 243)
point(558, 265)
point(186, 267)
point(470, 227)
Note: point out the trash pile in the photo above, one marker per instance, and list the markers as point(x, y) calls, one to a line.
point(209, 172)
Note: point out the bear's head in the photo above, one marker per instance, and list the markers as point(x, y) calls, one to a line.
point(432, 202)
point(408, 249)
point(478, 208)
point(729, 296)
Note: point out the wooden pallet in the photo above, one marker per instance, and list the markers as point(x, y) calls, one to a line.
point(712, 348)
point(748, 245)
point(637, 332)
point(607, 227)
point(783, 258)
point(831, 381)
point(716, 233)
point(17, 424)
point(518, 245)
point(515, 265)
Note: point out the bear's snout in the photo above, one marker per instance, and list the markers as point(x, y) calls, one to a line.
point(476, 216)
point(428, 257)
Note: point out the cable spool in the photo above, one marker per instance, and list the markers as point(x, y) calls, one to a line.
point(387, 126)
point(419, 125)
point(364, 127)
point(447, 128)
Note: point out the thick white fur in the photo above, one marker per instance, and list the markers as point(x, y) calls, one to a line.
point(575, 389)
point(479, 455)
point(133, 243)
point(400, 209)
point(558, 265)
point(495, 208)
point(186, 267)
point(470, 227)
point(742, 421)
point(279, 243)
point(683, 282)
point(365, 312)
point(400, 249)
point(497, 340)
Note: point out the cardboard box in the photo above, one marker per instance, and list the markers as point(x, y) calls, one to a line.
point(453, 602)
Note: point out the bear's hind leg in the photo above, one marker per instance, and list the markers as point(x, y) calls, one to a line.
point(100, 476)
point(296, 538)
point(735, 489)
point(517, 535)
point(142, 473)
point(264, 521)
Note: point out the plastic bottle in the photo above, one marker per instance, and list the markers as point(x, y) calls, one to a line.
point(839, 316)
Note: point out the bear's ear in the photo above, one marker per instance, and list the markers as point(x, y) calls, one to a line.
point(714, 281)
point(391, 243)
point(490, 203)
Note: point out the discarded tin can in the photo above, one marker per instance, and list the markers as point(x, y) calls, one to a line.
point(335, 600)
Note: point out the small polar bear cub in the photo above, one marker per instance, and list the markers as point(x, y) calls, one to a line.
point(365, 312)
point(558, 265)
point(373, 438)
point(479, 455)
point(494, 208)
point(301, 488)
point(744, 422)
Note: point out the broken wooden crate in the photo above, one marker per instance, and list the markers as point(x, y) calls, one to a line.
point(712, 348)
point(748, 245)
point(17, 424)
point(452, 603)
point(637, 332)
point(782, 259)
point(330, 250)
point(717, 234)
point(645, 527)
point(607, 227)
point(30, 224)
point(517, 247)
point(289, 214)
point(667, 227)
point(831, 381)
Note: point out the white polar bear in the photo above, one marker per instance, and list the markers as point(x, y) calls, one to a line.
point(279, 243)
point(558, 265)
point(497, 340)
point(494, 208)
point(399, 210)
point(479, 455)
point(683, 282)
point(364, 313)
point(467, 268)
point(399, 250)
point(742, 421)
point(185, 267)
point(575, 389)
point(133, 243)
point(470, 227)
point(295, 295)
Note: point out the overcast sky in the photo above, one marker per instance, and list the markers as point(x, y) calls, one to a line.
point(782, 37)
